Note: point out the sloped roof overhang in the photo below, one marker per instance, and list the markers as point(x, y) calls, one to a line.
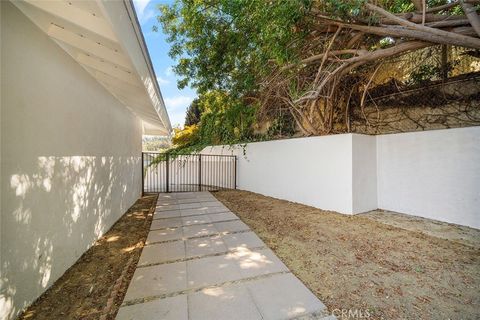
point(105, 38)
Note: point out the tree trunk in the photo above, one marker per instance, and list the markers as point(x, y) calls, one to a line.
point(472, 16)
point(444, 62)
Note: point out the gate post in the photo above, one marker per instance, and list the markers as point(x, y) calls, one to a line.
point(199, 172)
point(143, 181)
point(167, 178)
point(235, 183)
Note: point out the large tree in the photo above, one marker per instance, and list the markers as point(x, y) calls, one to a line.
point(193, 113)
point(308, 57)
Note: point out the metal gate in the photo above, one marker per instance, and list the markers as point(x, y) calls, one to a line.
point(163, 172)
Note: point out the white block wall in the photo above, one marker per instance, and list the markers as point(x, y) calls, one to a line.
point(70, 161)
point(432, 174)
point(364, 173)
point(316, 171)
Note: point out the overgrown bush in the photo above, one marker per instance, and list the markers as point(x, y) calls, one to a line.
point(224, 120)
point(185, 137)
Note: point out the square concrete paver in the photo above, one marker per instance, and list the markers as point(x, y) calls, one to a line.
point(162, 252)
point(205, 246)
point(214, 203)
point(186, 195)
point(253, 263)
point(199, 230)
point(172, 308)
point(164, 235)
point(224, 216)
point(217, 209)
point(283, 297)
point(236, 241)
point(211, 271)
point(231, 302)
point(169, 207)
point(166, 196)
point(166, 214)
point(166, 223)
point(193, 212)
point(183, 201)
point(190, 220)
point(206, 199)
point(192, 205)
point(157, 280)
point(166, 202)
point(231, 226)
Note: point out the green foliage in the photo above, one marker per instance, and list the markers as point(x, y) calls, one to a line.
point(225, 119)
point(193, 113)
point(429, 72)
point(350, 10)
point(185, 137)
point(229, 44)
point(345, 10)
point(185, 141)
point(283, 125)
point(424, 73)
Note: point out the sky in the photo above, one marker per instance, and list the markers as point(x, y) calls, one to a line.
point(176, 100)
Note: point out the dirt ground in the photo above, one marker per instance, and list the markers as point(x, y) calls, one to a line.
point(461, 234)
point(361, 265)
point(94, 287)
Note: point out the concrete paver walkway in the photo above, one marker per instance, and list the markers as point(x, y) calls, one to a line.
point(202, 262)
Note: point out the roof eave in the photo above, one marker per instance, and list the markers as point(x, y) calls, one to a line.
point(126, 26)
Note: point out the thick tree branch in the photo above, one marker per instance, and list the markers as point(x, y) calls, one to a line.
point(389, 52)
point(449, 23)
point(472, 16)
point(451, 38)
point(354, 40)
point(436, 34)
point(418, 4)
point(449, 6)
point(320, 56)
point(417, 18)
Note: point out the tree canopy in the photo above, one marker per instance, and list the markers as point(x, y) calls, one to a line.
point(193, 113)
point(228, 45)
point(315, 59)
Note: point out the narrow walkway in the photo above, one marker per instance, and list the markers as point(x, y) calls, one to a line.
point(202, 262)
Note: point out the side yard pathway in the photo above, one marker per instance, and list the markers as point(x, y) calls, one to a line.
point(201, 262)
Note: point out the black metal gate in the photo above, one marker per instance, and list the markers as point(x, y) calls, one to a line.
point(163, 172)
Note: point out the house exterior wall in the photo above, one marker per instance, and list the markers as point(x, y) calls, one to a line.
point(431, 174)
point(70, 161)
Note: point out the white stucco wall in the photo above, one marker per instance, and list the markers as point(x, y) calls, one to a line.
point(316, 171)
point(432, 174)
point(364, 173)
point(70, 161)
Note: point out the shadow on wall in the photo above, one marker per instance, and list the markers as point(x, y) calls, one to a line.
point(54, 212)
